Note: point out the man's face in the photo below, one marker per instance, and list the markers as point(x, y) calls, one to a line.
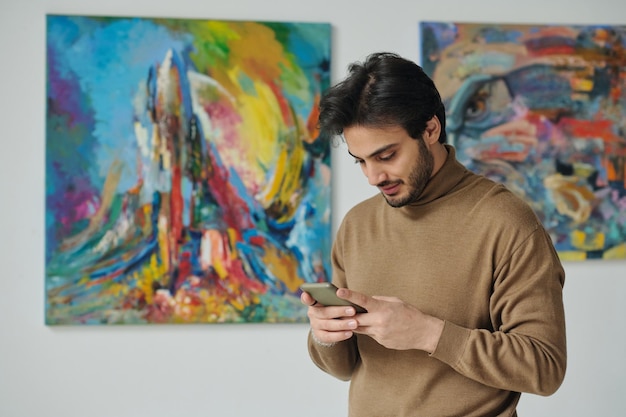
point(397, 164)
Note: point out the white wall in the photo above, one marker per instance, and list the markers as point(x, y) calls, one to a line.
point(237, 370)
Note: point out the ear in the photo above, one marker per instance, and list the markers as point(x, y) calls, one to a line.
point(433, 131)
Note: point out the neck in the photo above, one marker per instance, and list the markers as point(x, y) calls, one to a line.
point(440, 154)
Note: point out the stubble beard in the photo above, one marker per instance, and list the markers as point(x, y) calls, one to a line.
point(418, 179)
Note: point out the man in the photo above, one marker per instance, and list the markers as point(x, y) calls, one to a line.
point(461, 283)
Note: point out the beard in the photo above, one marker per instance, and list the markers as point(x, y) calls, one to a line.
point(418, 178)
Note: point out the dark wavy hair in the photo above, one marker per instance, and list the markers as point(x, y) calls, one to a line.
point(385, 90)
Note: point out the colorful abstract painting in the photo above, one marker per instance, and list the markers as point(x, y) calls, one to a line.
point(542, 109)
point(186, 181)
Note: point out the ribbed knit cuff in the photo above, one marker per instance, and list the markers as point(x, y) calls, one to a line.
point(451, 343)
point(319, 342)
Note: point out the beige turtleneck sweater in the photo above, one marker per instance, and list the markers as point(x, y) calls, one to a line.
point(473, 254)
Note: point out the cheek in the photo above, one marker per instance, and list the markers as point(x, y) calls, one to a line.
point(402, 168)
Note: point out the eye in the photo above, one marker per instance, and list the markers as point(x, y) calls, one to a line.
point(386, 157)
point(477, 105)
point(359, 161)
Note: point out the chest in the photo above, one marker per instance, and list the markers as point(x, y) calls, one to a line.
point(444, 271)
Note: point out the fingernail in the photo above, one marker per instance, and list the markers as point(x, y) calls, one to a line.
point(352, 324)
point(350, 311)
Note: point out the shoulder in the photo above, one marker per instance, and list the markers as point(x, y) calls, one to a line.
point(501, 203)
point(366, 207)
point(496, 202)
point(364, 216)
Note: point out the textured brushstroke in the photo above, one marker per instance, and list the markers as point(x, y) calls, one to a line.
point(542, 108)
point(184, 180)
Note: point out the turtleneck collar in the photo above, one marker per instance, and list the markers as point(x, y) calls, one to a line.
point(448, 176)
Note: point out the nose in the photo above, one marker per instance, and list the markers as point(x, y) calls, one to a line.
point(375, 174)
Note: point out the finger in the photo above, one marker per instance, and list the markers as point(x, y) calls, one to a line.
point(356, 298)
point(335, 325)
point(331, 337)
point(333, 313)
point(306, 299)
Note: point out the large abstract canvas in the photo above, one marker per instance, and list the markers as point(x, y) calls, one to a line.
point(186, 181)
point(542, 109)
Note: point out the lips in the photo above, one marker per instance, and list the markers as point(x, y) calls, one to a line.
point(390, 189)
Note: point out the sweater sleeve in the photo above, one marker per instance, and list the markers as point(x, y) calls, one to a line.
point(340, 359)
point(526, 350)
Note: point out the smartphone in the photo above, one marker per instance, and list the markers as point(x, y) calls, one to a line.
point(325, 293)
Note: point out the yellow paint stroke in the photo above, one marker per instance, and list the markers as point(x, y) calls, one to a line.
point(233, 236)
point(582, 84)
point(258, 52)
point(164, 241)
point(255, 69)
point(284, 268)
point(262, 126)
point(280, 167)
point(282, 195)
point(587, 241)
point(572, 255)
point(218, 253)
point(116, 289)
point(616, 252)
point(150, 273)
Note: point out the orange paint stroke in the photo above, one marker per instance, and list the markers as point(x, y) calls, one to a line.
point(311, 123)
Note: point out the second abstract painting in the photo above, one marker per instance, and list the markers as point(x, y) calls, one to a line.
point(542, 109)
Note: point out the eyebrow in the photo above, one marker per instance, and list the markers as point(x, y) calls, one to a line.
point(376, 152)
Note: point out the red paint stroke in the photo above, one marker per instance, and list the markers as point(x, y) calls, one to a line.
point(184, 269)
point(550, 45)
point(176, 207)
point(283, 103)
point(590, 129)
point(257, 240)
point(236, 274)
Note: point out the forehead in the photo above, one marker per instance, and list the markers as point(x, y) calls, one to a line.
point(363, 141)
